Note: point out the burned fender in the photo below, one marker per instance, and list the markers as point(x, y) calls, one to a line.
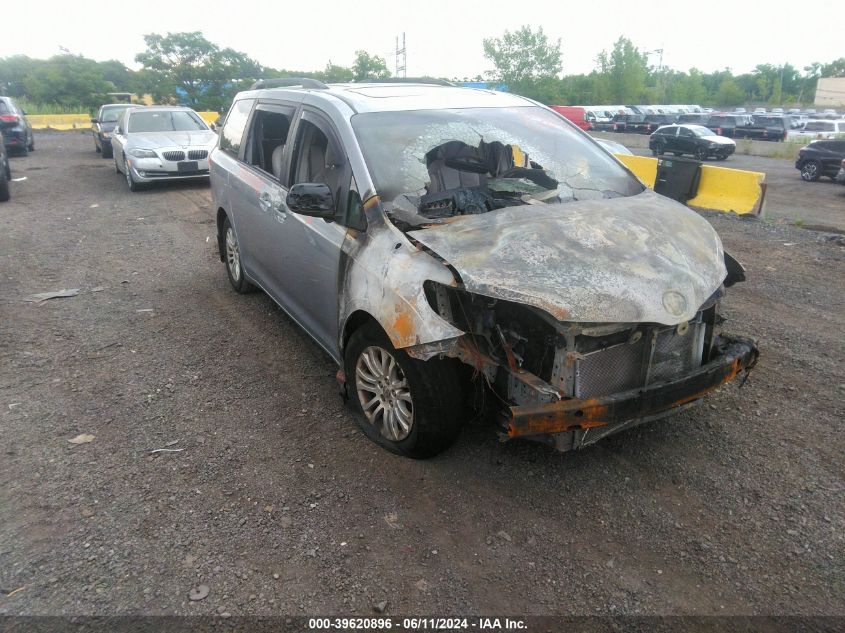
point(383, 276)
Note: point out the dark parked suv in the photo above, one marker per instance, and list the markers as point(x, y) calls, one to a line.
point(16, 128)
point(729, 125)
point(5, 171)
point(820, 158)
point(769, 127)
point(697, 140)
point(104, 123)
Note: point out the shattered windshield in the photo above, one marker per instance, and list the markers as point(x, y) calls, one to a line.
point(441, 163)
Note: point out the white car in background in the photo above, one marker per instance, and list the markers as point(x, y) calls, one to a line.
point(819, 129)
point(161, 143)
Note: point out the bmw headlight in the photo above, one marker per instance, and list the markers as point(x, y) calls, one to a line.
point(713, 145)
point(142, 153)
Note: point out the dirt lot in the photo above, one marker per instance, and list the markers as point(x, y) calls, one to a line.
point(814, 205)
point(280, 506)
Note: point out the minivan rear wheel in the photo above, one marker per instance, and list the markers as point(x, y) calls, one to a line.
point(232, 259)
point(407, 406)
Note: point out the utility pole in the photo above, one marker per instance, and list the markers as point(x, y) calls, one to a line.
point(401, 58)
point(661, 83)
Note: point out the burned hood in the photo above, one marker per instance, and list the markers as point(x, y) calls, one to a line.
point(643, 258)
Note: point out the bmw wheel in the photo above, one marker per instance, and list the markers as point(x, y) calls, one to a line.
point(130, 181)
point(408, 406)
point(701, 153)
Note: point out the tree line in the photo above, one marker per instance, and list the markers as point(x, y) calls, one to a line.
point(187, 68)
point(531, 65)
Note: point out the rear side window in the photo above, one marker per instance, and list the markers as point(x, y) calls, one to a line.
point(233, 130)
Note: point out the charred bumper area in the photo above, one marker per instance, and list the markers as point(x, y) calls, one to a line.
point(612, 413)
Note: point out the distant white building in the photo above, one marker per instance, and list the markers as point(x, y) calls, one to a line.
point(830, 92)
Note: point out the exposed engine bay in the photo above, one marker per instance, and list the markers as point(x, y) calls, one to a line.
point(468, 180)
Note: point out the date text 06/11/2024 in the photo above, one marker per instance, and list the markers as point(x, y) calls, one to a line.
point(417, 624)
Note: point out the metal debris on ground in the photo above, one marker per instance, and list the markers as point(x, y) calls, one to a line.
point(82, 438)
point(56, 294)
point(199, 593)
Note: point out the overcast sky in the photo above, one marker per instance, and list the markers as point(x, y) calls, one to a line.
point(444, 37)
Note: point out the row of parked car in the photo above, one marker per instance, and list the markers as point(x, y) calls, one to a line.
point(765, 127)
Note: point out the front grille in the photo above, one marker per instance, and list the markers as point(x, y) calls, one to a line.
point(676, 354)
point(609, 370)
point(173, 155)
point(629, 365)
point(198, 154)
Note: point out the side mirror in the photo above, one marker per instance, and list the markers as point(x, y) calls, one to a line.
point(312, 198)
point(95, 121)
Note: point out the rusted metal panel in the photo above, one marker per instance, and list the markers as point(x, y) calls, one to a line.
point(637, 259)
point(585, 413)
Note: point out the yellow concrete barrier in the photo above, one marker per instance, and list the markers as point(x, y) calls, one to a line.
point(209, 117)
point(720, 188)
point(60, 121)
point(727, 189)
point(644, 168)
point(83, 121)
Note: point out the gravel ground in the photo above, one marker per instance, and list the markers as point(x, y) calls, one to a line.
point(280, 506)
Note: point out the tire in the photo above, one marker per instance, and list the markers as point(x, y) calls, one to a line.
point(31, 146)
point(97, 148)
point(130, 181)
point(116, 168)
point(232, 259)
point(426, 407)
point(700, 153)
point(4, 186)
point(659, 148)
point(811, 171)
point(106, 153)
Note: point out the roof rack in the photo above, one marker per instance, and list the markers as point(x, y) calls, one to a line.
point(406, 80)
point(280, 82)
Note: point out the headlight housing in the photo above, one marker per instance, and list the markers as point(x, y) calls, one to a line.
point(142, 153)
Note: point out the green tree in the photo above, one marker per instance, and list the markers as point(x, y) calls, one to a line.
point(188, 67)
point(523, 57)
point(67, 80)
point(628, 70)
point(368, 66)
point(337, 74)
point(729, 93)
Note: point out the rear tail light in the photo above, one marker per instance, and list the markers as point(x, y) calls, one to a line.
point(9, 118)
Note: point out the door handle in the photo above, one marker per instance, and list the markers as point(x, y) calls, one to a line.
point(264, 201)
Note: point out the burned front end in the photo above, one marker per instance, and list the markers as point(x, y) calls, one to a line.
point(582, 302)
point(571, 384)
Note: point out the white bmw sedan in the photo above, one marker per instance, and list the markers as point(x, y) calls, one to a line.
point(161, 143)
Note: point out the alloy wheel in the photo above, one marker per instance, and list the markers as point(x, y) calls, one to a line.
point(384, 393)
point(810, 172)
point(233, 254)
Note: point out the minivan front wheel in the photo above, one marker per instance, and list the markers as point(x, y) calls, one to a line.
point(408, 406)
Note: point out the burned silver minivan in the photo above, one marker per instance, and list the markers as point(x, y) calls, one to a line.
point(456, 249)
